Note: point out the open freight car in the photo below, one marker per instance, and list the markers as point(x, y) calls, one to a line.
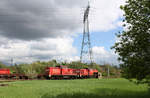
point(6, 74)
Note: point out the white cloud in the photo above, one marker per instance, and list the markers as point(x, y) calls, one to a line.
point(105, 14)
point(60, 49)
point(47, 49)
point(101, 56)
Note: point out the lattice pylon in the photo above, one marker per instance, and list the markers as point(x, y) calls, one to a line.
point(86, 50)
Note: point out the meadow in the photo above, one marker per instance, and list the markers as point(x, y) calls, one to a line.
point(86, 88)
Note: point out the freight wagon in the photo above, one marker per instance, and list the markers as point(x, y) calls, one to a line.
point(4, 73)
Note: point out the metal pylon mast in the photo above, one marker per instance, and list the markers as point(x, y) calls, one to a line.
point(12, 61)
point(86, 50)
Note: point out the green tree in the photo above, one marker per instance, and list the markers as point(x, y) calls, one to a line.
point(133, 46)
point(2, 65)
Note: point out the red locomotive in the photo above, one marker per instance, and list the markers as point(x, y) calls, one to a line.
point(60, 72)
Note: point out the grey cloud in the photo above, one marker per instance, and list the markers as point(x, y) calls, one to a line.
point(38, 19)
point(72, 3)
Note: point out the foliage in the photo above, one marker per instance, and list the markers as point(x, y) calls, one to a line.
point(114, 71)
point(38, 67)
point(34, 68)
point(2, 65)
point(133, 46)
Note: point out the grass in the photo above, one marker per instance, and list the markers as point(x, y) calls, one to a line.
point(88, 88)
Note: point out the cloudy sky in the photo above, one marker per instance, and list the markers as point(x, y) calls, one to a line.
point(32, 30)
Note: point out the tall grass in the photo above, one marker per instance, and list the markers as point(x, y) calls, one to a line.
point(88, 88)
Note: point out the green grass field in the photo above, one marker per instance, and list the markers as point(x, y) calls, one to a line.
point(88, 88)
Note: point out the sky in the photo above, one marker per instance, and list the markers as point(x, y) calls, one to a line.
point(32, 30)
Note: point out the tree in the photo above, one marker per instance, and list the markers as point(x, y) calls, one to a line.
point(2, 65)
point(133, 46)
